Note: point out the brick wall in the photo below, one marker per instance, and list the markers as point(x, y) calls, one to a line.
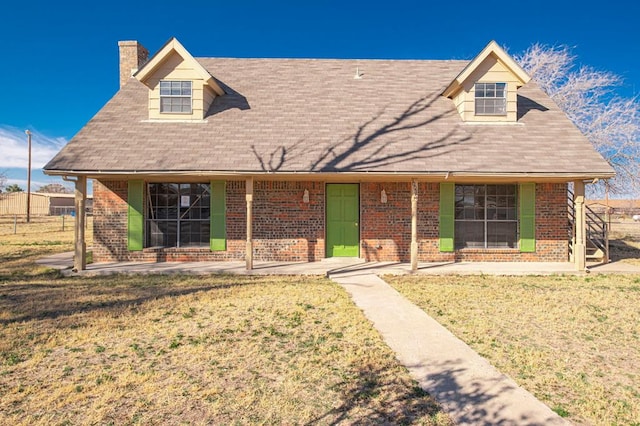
point(552, 241)
point(109, 220)
point(386, 228)
point(287, 229)
point(284, 227)
point(132, 56)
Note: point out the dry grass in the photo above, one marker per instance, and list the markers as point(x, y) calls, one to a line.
point(191, 350)
point(574, 342)
point(624, 242)
point(44, 235)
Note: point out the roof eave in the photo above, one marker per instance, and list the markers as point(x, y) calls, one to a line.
point(364, 175)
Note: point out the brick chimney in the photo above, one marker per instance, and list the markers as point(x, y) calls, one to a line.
point(133, 56)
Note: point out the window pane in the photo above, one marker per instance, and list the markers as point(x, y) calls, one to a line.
point(469, 234)
point(480, 90)
point(154, 236)
point(171, 234)
point(165, 88)
point(459, 210)
point(501, 234)
point(163, 200)
point(501, 214)
point(492, 214)
point(161, 213)
point(194, 233)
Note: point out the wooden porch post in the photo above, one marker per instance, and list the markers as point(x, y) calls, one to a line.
point(80, 247)
point(249, 245)
point(580, 248)
point(414, 225)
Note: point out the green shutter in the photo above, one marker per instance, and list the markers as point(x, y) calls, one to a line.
point(135, 228)
point(528, 217)
point(447, 216)
point(218, 237)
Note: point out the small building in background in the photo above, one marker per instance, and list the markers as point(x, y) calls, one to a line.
point(617, 207)
point(42, 204)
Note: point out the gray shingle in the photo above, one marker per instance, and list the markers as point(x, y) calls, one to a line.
point(295, 115)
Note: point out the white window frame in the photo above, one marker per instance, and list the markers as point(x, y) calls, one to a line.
point(498, 104)
point(181, 95)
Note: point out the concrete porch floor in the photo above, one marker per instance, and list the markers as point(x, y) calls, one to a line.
point(64, 262)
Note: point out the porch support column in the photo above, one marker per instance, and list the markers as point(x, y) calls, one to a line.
point(580, 247)
point(80, 247)
point(414, 225)
point(249, 245)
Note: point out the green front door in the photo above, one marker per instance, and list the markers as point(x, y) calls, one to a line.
point(343, 216)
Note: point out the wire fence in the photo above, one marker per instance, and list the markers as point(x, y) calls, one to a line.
point(14, 224)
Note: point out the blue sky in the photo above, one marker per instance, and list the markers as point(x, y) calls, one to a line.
point(60, 59)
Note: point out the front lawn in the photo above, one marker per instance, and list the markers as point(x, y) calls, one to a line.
point(573, 341)
point(188, 349)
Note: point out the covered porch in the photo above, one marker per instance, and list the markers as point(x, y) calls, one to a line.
point(578, 244)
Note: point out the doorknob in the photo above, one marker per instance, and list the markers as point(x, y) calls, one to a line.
point(355, 223)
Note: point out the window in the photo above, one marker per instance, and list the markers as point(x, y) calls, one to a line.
point(491, 99)
point(175, 96)
point(178, 215)
point(486, 216)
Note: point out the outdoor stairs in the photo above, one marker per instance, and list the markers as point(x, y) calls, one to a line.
point(597, 233)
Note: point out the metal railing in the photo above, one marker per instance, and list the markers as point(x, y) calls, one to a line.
point(597, 229)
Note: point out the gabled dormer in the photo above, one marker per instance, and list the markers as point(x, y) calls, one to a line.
point(179, 87)
point(486, 89)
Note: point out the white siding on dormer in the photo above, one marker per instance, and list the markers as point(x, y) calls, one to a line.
point(491, 70)
point(176, 69)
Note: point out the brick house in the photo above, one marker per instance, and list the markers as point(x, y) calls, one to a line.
point(299, 160)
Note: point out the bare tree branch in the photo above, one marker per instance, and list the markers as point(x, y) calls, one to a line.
point(588, 97)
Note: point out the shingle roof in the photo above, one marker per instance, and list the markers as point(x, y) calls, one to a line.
point(299, 115)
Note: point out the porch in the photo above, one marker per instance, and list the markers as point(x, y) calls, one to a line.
point(64, 262)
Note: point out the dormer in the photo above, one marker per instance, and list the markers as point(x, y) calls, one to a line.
point(179, 87)
point(486, 89)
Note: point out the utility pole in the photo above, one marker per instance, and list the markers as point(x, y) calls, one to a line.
point(29, 177)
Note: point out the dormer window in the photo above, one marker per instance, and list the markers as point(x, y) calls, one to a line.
point(175, 97)
point(491, 98)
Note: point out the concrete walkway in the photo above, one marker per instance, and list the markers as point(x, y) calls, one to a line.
point(469, 389)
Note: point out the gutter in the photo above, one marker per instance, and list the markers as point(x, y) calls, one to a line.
point(364, 175)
